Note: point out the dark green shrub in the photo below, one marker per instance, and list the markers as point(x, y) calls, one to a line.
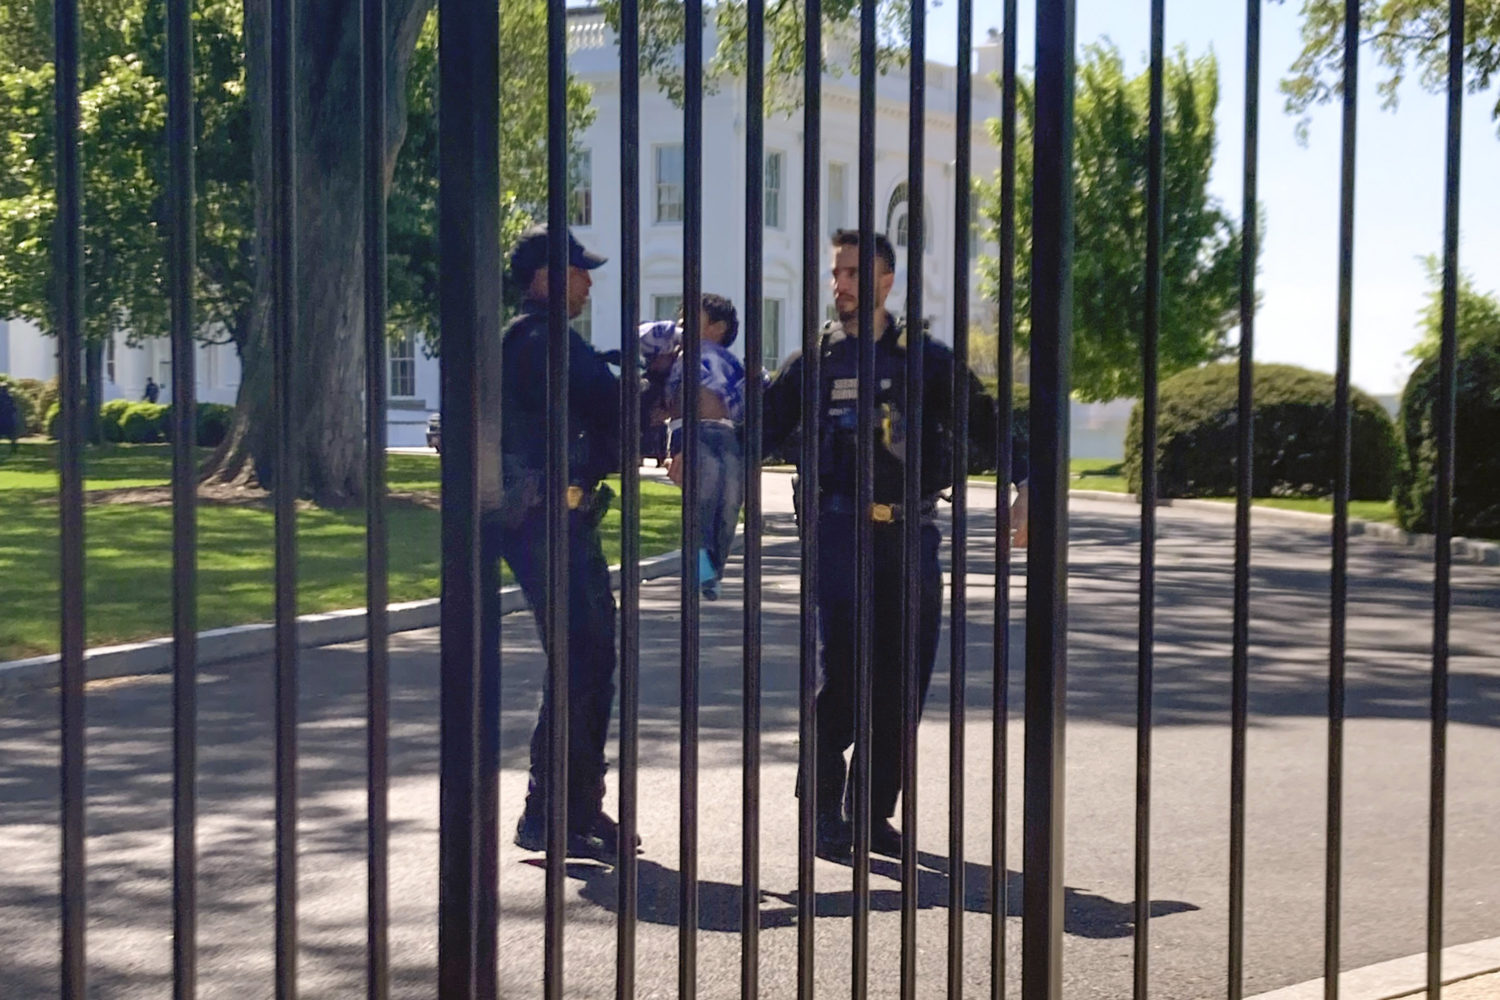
point(214, 421)
point(53, 421)
point(1296, 450)
point(1476, 446)
point(110, 415)
point(143, 423)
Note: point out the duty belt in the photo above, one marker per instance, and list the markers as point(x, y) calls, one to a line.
point(880, 513)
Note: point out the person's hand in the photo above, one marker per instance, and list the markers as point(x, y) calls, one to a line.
point(1019, 532)
point(675, 469)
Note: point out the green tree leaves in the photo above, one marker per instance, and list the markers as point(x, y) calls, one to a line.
point(1201, 251)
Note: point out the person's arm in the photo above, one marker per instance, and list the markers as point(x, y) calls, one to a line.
point(984, 428)
point(781, 405)
point(593, 398)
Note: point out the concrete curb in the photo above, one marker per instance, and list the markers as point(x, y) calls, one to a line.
point(1402, 977)
point(1465, 550)
point(217, 645)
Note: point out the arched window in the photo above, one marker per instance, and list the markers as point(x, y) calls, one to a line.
point(895, 216)
point(897, 213)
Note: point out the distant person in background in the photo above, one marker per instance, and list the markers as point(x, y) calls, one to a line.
point(153, 391)
point(10, 417)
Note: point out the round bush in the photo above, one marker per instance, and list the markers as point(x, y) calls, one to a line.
point(214, 421)
point(1476, 456)
point(1296, 448)
point(53, 421)
point(110, 415)
point(143, 423)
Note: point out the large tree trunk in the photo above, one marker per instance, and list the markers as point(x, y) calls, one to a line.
point(327, 445)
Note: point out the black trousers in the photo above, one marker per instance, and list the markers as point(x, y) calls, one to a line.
point(838, 595)
point(591, 648)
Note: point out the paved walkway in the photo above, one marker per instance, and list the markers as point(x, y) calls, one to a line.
point(1385, 797)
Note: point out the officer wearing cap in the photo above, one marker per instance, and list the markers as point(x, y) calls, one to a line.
point(520, 531)
point(837, 427)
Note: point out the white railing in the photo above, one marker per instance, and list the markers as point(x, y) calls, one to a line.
point(588, 31)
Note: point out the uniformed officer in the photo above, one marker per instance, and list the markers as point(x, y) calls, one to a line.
point(519, 533)
point(837, 427)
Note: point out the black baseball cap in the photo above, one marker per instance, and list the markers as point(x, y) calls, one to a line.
point(530, 255)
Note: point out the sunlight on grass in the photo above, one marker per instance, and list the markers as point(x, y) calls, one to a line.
point(129, 559)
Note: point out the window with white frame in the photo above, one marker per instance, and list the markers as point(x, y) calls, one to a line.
point(665, 306)
point(838, 196)
point(583, 323)
point(897, 219)
point(775, 170)
point(770, 334)
point(109, 360)
point(403, 365)
point(581, 196)
point(669, 196)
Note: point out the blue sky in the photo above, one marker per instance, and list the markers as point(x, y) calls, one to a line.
point(1398, 186)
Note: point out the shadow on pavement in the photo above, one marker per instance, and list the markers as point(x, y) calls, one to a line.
point(719, 903)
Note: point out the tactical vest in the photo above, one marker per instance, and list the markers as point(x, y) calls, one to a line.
point(838, 419)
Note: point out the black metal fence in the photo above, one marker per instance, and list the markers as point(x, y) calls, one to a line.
point(470, 318)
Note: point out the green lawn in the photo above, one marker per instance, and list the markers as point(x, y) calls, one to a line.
point(129, 551)
point(1108, 475)
point(1362, 510)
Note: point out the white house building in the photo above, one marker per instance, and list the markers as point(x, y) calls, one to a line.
point(595, 211)
point(595, 206)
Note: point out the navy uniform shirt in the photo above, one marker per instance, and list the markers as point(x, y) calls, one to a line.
point(839, 394)
point(593, 403)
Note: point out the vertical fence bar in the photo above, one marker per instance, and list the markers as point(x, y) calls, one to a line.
point(911, 524)
point(1339, 589)
point(1005, 367)
point(558, 476)
point(1047, 557)
point(68, 266)
point(864, 493)
point(470, 254)
point(1442, 589)
point(1145, 662)
point(813, 247)
point(181, 262)
point(630, 493)
point(284, 486)
point(755, 41)
point(692, 298)
point(1240, 664)
point(377, 590)
point(963, 233)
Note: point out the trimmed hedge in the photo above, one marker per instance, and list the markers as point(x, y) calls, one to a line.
point(110, 416)
point(213, 421)
point(1296, 450)
point(1476, 446)
point(144, 423)
point(132, 422)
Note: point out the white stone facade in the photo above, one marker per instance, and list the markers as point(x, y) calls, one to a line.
point(594, 58)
